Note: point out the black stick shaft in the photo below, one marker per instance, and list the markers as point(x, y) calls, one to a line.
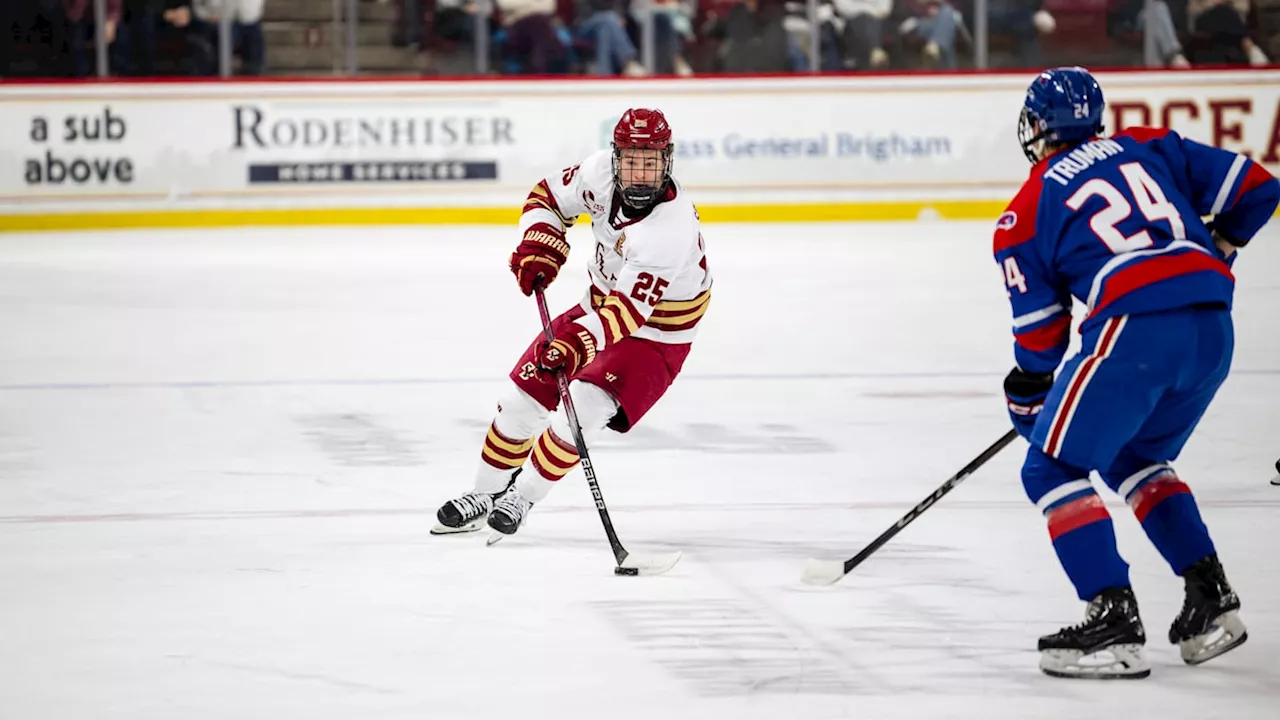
point(928, 502)
point(619, 552)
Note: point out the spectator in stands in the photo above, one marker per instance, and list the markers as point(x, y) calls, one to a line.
point(1222, 33)
point(25, 26)
point(672, 28)
point(136, 49)
point(755, 40)
point(1130, 16)
point(864, 31)
point(441, 27)
point(531, 39)
point(800, 34)
point(937, 23)
point(203, 21)
point(602, 25)
point(413, 23)
point(455, 20)
point(1023, 22)
point(81, 30)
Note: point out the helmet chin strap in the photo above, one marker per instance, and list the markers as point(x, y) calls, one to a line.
point(641, 198)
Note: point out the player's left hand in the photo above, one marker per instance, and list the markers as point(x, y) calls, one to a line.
point(538, 257)
point(572, 349)
point(1025, 394)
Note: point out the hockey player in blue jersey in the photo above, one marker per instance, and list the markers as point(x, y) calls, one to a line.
point(1115, 224)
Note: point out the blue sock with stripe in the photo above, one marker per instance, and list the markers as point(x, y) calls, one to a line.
point(1085, 540)
point(1080, 527)
point(1169, 515)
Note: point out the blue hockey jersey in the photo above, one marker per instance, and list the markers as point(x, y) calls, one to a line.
point(1115, 223)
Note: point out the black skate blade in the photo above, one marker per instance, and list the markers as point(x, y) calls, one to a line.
point(1098, 676)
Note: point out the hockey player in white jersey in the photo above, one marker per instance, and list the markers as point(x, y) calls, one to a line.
point(622, 346)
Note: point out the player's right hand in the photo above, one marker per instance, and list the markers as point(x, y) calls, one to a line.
point(538, 257)
point(1025, 394)
point(572, 349)
point(1224, 246)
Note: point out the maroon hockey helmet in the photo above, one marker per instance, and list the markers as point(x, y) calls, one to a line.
point(643, 129)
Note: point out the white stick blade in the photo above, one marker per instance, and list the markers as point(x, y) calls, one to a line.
point(822, 572)
point(651, 563)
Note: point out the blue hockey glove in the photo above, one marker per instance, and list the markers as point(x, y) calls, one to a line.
point(1026, 393)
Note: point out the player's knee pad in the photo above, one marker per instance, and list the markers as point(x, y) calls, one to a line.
point(595, 409)
point(1129, 471)
point(519, 415)
point(1047, 480)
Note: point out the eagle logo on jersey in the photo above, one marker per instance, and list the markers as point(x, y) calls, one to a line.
point(1007, 221)
point(622, 239)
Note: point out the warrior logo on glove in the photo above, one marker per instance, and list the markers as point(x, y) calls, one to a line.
point(538, 257)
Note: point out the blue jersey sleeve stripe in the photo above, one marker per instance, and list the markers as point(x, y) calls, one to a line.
point(1031, 318)
point(1224, 192)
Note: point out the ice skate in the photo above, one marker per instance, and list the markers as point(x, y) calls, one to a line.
point(467, 513)
point(1209, 624)
point(508, 514)
point(1106, 646)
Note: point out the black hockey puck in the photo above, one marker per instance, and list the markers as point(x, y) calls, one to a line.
point(626, 571)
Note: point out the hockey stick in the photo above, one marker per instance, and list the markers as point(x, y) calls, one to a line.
point(827, 572)
point(629, 563)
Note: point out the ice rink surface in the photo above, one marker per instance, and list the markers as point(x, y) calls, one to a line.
point(221, 452)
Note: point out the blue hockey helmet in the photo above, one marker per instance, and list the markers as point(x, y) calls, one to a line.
point(1063, 105)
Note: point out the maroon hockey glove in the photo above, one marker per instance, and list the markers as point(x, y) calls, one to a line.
point(538, 257)
point(572, 349)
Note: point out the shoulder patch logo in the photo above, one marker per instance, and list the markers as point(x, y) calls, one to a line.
point(589, 199)
point(1007, 220)
point(622, 240)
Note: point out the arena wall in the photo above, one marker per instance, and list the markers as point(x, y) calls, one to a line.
point(777, 149)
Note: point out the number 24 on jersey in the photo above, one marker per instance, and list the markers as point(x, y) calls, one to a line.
point(1151, 201)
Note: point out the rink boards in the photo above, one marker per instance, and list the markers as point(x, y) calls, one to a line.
point(780, 149)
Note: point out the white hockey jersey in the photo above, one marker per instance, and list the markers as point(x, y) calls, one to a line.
point(649, 275)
